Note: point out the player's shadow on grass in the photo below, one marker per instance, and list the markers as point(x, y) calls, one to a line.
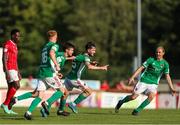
point(12, 118)
point(97, 113)
point(105, 113)
point(4, 116)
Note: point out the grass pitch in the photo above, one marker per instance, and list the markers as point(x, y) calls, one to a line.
point(95, 116)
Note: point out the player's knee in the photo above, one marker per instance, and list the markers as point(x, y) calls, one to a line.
point(41, 94)
point(66, 93)
point(134, 97)
point(16, 85)
point(35, 94)
point(88, 92)
point(151, 96)
point(62, 90)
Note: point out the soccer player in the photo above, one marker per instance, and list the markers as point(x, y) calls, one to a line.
point(62, 57)
point(10, 65)
point(149, 80)
point(73, 79)
point(46, 75)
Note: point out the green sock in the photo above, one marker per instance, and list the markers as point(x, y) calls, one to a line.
point(24, 96)
point(54, 97)
point(34, 104)
point(143, 104)
point(126, 99)
point(80, 98)
point(62, 104)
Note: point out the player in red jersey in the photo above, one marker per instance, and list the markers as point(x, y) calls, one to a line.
point(13, 77)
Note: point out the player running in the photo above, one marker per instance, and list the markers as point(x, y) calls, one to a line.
point(149, 80)
point(10, 65)
point(62, 57)
point(47, 75)
point(73, 79)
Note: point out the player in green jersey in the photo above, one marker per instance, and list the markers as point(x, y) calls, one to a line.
point(73, 79)
point(46, 75)
point(61, 58)
point(149, 80)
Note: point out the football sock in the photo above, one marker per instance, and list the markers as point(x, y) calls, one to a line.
point(5, 102)
point(10, 94)
point(34, 104)
point(24, 96)
point(80, 98)
point(143, 104)
point(62, 104)
point(126, 99)
point(54, 97)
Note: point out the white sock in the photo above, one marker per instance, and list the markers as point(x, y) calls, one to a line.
point(28, 112)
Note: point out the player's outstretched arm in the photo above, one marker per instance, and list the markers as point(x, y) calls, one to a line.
point(70, 58)
point(95, 63)
point(93, 67)
point(135, 74)
point(168, 78)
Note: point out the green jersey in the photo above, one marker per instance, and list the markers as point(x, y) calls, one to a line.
point(78, 66)
point(61, 59)
point(45, 69)
point(154, 70)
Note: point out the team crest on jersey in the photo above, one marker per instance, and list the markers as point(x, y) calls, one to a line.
point(162, 65)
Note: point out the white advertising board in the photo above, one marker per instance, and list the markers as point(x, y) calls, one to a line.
point(3, 83)
point(97, 99)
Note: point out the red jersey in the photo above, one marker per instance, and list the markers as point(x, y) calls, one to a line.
point(11, 52)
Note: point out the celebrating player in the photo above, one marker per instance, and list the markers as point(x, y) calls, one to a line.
point(61, 58)
point(73, 79)
point(149, 80)
point(47, 75)
point(13, 77)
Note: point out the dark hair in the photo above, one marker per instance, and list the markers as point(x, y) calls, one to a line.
point(14, 31)
point(68, 45)
point(90, 45)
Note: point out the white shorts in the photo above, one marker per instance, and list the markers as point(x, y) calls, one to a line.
point(50, 82)
point(70, 84)
point(145, 88)
point(12, 76)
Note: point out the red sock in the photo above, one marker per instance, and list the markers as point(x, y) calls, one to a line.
point(11, 92)
point(6, 95)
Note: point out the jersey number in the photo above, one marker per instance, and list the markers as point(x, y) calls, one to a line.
point(44, 57)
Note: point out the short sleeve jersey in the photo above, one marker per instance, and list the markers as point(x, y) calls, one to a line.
point(11, 51)
point(154, 70)
point(61, 59)
point(45, 69)
point(78, 66)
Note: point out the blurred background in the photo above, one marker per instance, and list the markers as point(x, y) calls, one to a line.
point(111, 24)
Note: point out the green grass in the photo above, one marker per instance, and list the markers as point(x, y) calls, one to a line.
point(95, 116)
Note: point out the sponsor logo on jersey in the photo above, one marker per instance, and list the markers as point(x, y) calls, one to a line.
point(162, 65)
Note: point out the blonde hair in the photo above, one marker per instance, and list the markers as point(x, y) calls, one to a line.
point(51, 33)
point(161, 47)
